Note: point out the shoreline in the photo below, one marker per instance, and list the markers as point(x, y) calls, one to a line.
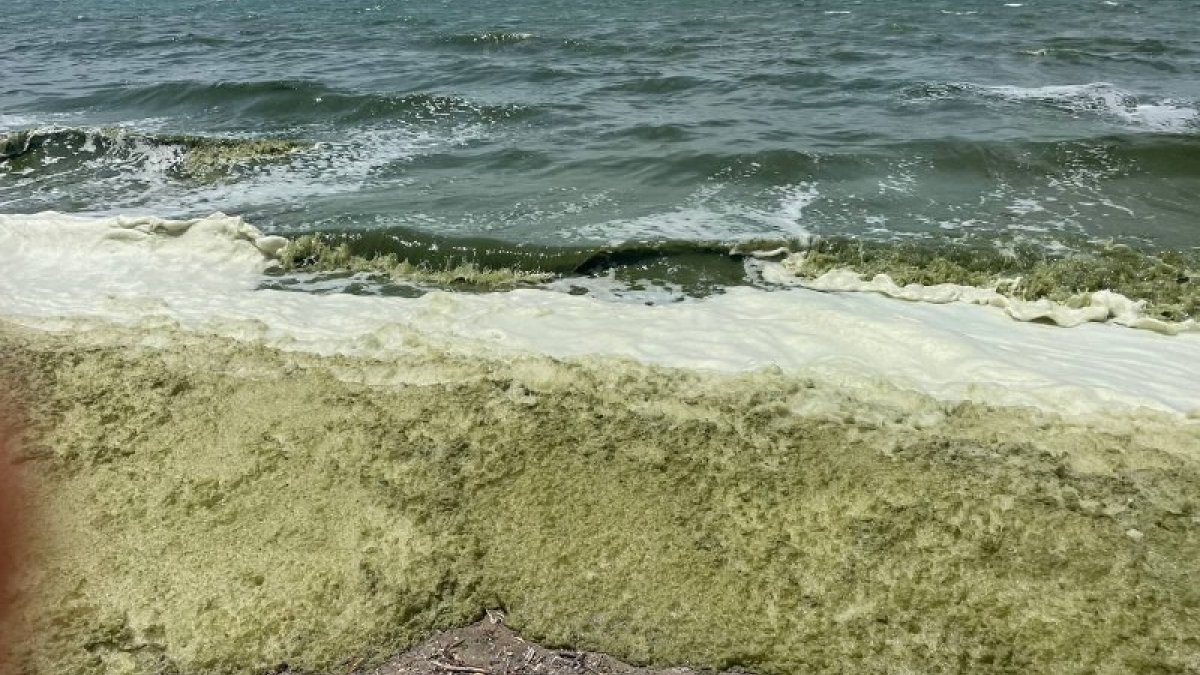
point(207, 276)
point(223, 507)
point(517, 338)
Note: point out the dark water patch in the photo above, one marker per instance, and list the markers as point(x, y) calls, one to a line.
point(697, 268)
point(548, 73)
point(177, 40)
point(793, 79)
point(1156, 154)
point(597, 47)
point(206, 40)
point(1086, 56)
point(289, 102)
point(774, 167)
point(619, 46)
point(854, 56)
point(1115, 45)
point(492, 159)
point(664, 85)
point(1038, 163)
point(662, 133)
point(514, 159)
point(1160, 155)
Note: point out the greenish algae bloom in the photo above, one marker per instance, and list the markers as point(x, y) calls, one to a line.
point(199, 158)
point(314, 253)
point(219, 507)
point(213, 157)
point(1168, 281)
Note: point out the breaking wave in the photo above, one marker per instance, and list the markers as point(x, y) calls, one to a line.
point(1101, 99)
point(59, 149)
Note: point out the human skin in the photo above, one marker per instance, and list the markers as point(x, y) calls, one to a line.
point(9, 531)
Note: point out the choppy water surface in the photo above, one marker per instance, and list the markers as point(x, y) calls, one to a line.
point(571, 123)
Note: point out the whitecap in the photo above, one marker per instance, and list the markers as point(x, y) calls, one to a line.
point(1101, 98)
point(708, 217)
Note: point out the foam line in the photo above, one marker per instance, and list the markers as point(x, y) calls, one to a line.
point(204, 275)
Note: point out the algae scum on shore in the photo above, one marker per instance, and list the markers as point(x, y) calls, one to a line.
point(1167, 281)
point(220, 507)
point(1164, 282)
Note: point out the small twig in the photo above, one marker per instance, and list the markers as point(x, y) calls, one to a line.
point(461, 669)
point(354, 666)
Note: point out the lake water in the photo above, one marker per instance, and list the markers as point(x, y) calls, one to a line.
point(545, 122)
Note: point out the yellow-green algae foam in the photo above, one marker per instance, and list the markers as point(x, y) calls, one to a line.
point(1165, 283)
point(1065, 284)
point(196, 157)
point(220, 507)
point(313, 253)
point(697, 268)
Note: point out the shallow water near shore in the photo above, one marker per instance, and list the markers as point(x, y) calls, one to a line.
point(544, 122)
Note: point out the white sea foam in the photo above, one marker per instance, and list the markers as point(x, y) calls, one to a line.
point(143, 176)
point(708, 217)
point(13, 122)
point(329, 168)
point(1023, 206)
point(1103, 99)
point(204, 275)
point(1097, 307)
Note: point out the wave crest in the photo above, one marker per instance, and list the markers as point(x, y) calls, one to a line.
point(182, 155)
point(487, 39)
point(1096, 98)
point(292, 101)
